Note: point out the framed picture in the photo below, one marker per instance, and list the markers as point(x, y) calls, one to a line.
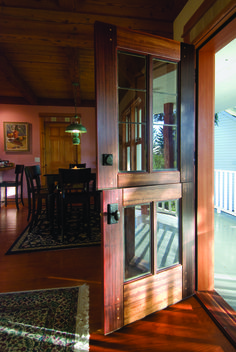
point(16, 136)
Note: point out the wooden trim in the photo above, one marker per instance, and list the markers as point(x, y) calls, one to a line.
point(153, 293)
point(208, 30)
point(205, 171)
point(106, 99)
point(221, 312)
point(204, 7)
point(58, 115)
point(187, 112)
point(221, 39)
point(112, 262)
point(188, 239)
point(140, 195)
point(144, 178)
point(163, 48)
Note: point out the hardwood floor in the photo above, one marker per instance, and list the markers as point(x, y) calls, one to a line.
point(182, 327)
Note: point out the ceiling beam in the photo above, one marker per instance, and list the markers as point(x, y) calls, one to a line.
point(14, 78)
point(74, 71)
point(68, 29)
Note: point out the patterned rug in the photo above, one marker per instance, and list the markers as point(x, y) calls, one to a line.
point(41, 237)
point(48, 320)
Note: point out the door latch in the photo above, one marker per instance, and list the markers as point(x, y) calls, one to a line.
point(113, 213)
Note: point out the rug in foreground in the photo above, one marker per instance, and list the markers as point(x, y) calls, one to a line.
point(41, 238)
point(45, 320)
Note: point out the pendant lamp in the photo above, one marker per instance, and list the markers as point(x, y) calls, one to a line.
point(75, 127)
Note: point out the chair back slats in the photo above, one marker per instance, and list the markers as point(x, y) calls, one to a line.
point(79, 166)
point(75, 178)
point(74, 190)
point(37, 194)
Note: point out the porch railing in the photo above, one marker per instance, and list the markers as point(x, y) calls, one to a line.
point(225, 191)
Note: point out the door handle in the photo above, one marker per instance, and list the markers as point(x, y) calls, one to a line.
point(113, 213)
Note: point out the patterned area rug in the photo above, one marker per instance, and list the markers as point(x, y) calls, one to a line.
point(48, 320)
point(41, 237)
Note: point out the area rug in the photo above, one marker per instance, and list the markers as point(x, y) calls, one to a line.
point(45, 320)
point(41, 238)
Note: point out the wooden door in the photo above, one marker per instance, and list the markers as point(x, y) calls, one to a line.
point(145, 171)
point(59, 150)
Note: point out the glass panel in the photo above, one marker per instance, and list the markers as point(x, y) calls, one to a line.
point(167, 234)
point(164, 115)
point(132, 111)
point(137, 241)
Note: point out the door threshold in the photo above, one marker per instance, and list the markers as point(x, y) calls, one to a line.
point(220, 311)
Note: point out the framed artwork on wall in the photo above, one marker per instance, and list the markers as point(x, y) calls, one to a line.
point(16, 136)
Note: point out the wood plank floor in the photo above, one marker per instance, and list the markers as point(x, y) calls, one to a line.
point(182, 327)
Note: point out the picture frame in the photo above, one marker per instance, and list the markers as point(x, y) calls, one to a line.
point(16, 136)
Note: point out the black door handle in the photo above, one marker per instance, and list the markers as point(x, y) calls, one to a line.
point(113, 213)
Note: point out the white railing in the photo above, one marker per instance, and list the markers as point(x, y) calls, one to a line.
point(225, 191)
point(169, 207)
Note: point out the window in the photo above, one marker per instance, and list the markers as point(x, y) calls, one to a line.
point(134, 102)
point(139, 238)
point(164, 115)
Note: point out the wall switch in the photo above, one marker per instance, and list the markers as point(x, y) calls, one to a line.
point(37, 160)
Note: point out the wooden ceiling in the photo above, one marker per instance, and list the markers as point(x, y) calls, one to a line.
point(47, 45)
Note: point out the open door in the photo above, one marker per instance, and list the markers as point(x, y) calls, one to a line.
point(145, 169)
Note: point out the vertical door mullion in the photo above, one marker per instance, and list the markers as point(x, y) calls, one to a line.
point(154, 237)
point(150, 114)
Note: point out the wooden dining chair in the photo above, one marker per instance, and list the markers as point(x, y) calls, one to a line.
point(38, 196)
point(17, 183)
point(74, 191)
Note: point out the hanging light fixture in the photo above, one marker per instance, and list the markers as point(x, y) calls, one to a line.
point(75, 139)
point(75, 127)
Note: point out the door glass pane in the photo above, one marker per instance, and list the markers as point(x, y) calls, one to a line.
point(164, 115)
point(137, 241)
point(132, 112)
point(167, 234)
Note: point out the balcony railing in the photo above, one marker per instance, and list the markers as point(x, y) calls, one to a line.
point(225, 191)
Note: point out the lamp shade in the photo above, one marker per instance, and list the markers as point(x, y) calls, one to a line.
point(75, 128)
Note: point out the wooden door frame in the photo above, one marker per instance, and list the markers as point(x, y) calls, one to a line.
point(205, 160)
point(216, 306)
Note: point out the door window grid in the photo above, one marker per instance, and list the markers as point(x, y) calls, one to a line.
point(134, 97)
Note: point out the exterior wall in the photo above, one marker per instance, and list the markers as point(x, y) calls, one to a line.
point(225, 142)
point(30, 114)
